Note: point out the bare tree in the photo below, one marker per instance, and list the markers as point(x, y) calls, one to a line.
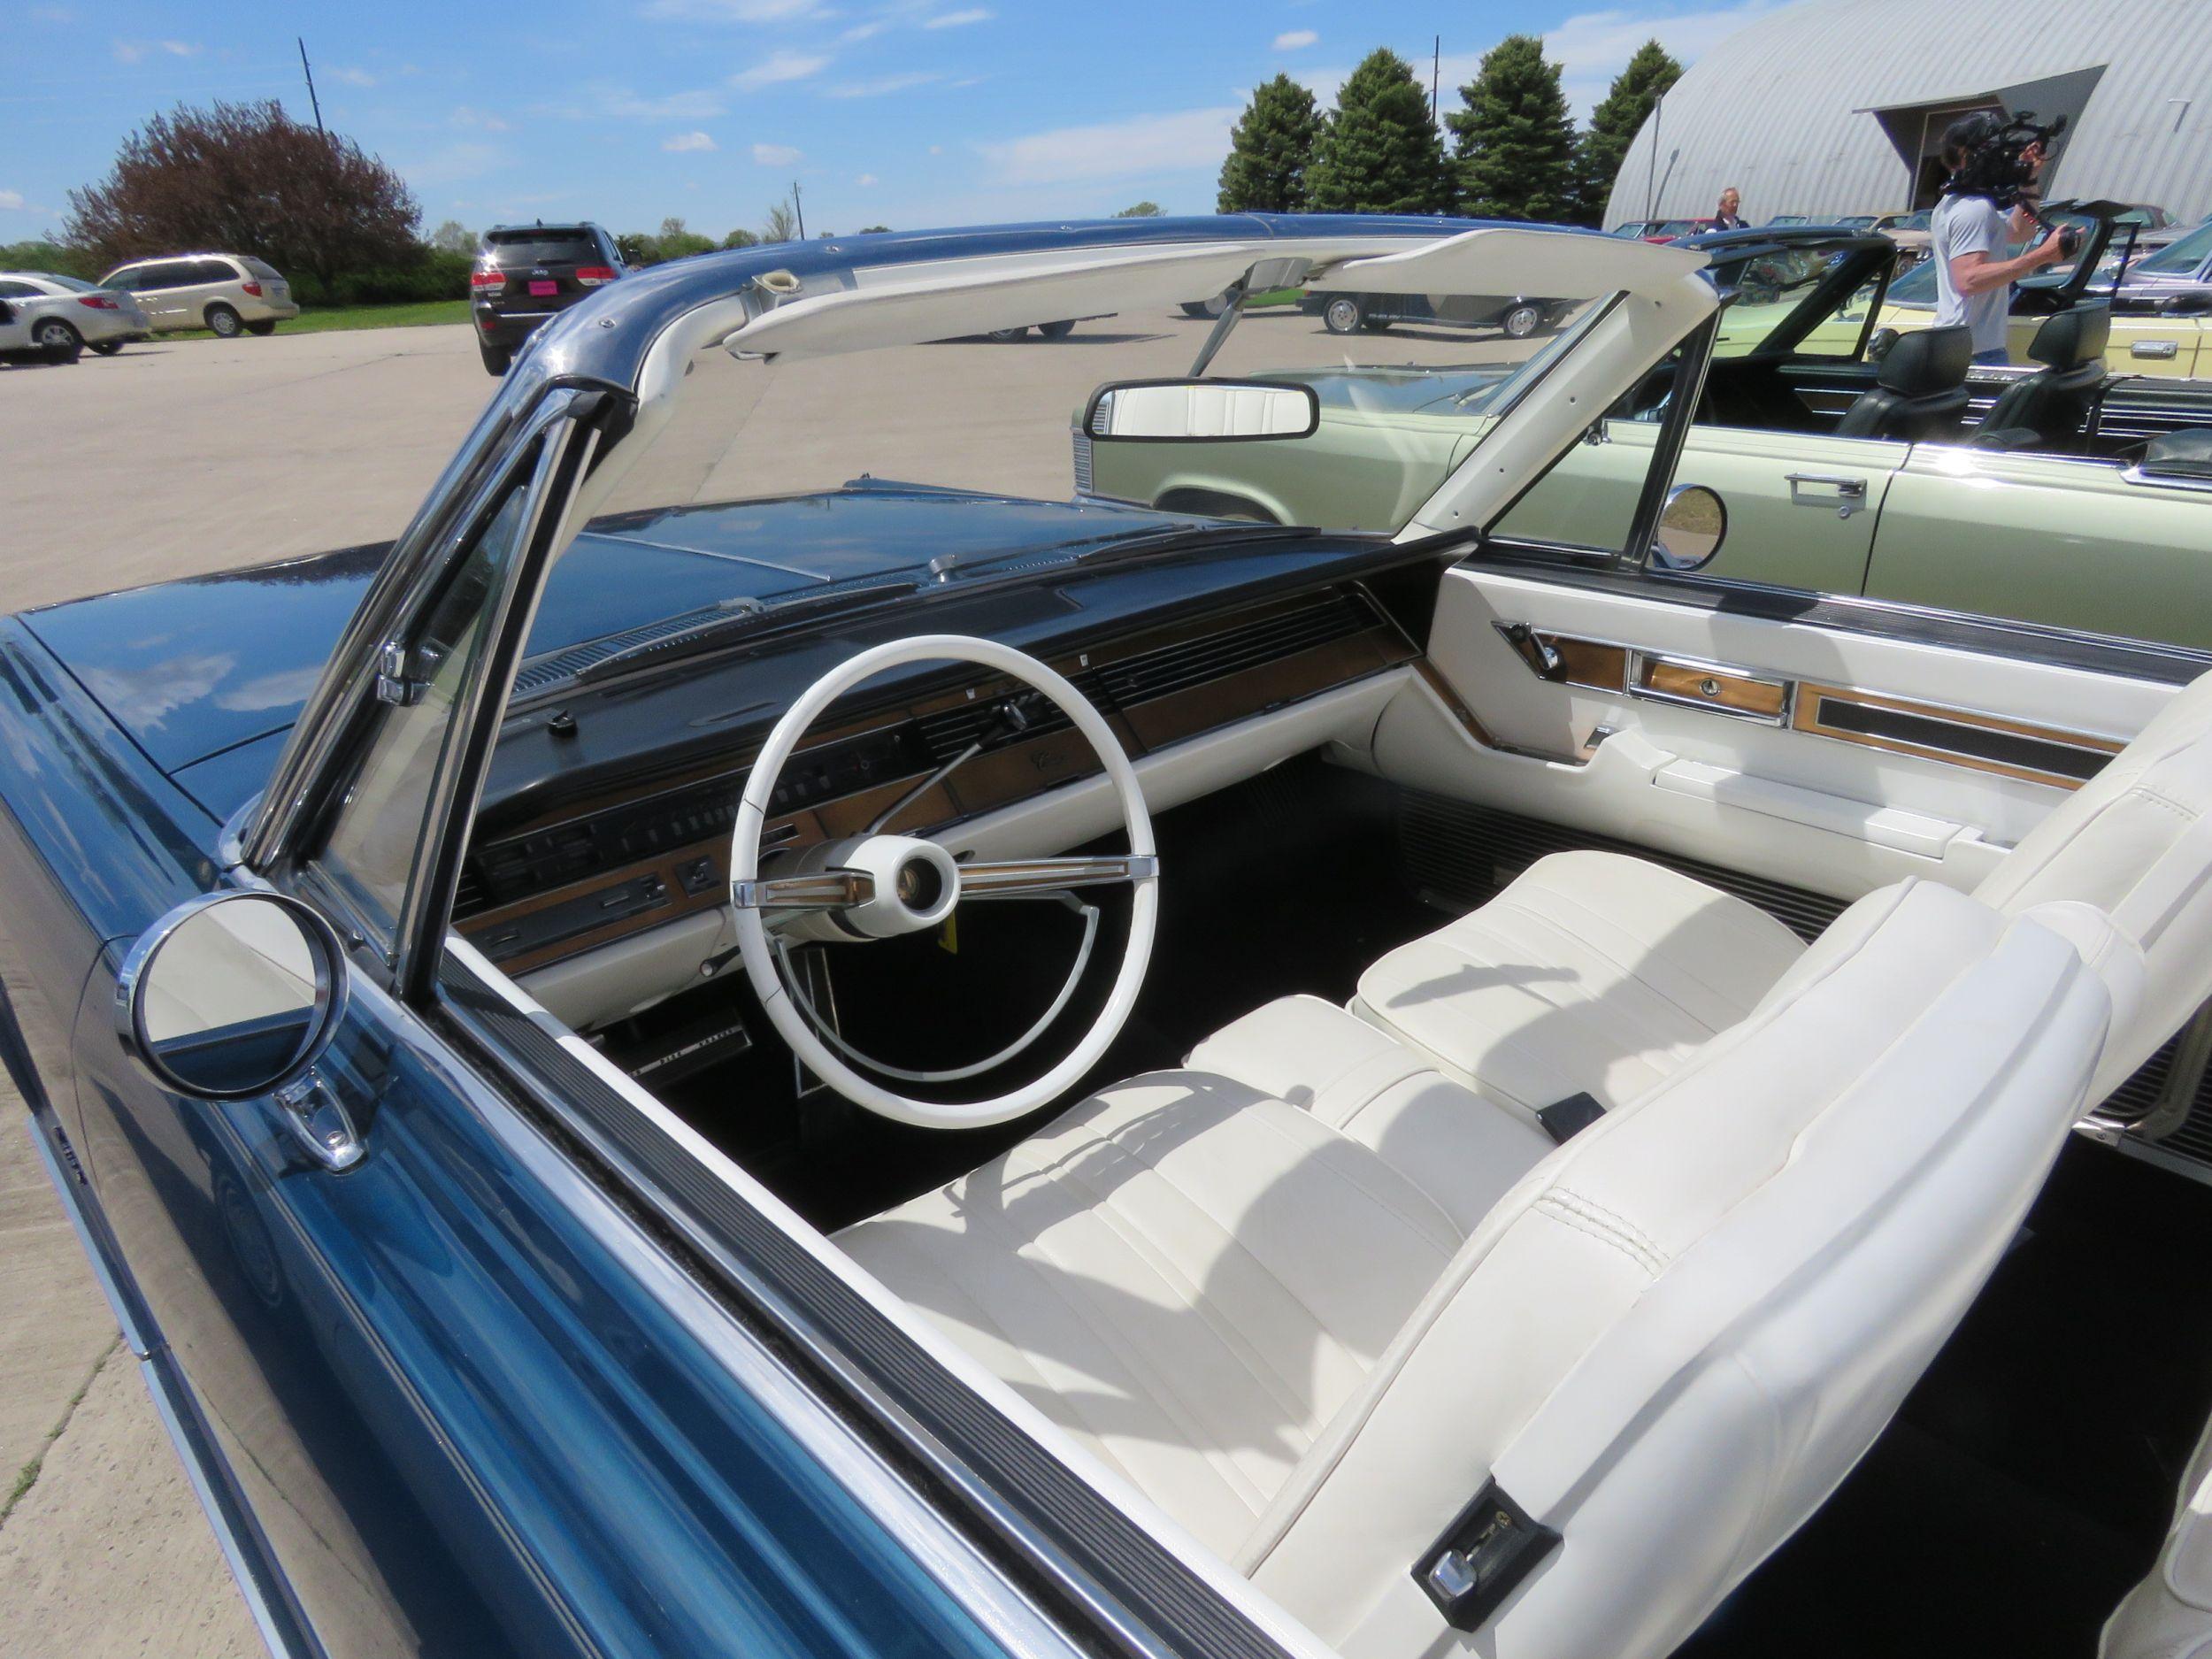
point(248, 178)
point(454, 237)
point(782, 224)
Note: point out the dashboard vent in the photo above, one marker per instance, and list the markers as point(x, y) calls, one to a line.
point(468, 894)
point(1321, 619)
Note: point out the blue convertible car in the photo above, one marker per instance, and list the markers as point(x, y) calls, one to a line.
point(697, 1059)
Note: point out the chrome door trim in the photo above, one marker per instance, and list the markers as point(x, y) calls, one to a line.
point(412, 569)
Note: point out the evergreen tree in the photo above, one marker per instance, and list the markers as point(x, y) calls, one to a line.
point(1271, 148)
point(1379, 151)
point(1627, 105)
point(1515, 138)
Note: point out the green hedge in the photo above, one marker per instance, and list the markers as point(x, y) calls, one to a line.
point(437, 276)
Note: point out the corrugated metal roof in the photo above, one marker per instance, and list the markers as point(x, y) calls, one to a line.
point(1779, 109)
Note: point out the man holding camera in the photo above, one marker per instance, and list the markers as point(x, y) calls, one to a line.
point(1969, 233)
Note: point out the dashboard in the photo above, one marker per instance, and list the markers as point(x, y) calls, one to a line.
point(548, 887)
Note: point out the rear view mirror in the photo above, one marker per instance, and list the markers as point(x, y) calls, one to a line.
point(1201, 412)
point(1691, 526)
point(234, 995)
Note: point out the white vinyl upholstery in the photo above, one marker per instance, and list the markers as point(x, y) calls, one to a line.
point(1592, 973)
point(2136, 842)
point(1670, 1338)
point(2168, 1615)
point(1597, 973)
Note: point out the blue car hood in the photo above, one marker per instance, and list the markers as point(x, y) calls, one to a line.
point(208, 674)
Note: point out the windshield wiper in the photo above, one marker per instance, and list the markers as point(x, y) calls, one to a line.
point(747, 619)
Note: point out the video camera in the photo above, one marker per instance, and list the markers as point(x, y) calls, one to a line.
point(1996, 167)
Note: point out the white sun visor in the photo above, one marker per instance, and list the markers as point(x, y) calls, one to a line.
point(909, 304)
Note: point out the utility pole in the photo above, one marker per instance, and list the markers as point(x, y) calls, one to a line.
point(1436, 75)
point(315, 102)
point(796, 207)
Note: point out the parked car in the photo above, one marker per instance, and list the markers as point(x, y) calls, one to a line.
point(1639, 229)
point(1820, 493)
point(58, 306)
point(1913, 233)
point(1791, 218)
point(228, 293)
point(21, 340)
point(526, 274)
point(553, 1031)
point(1515, 315)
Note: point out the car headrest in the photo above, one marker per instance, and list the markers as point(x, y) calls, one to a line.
point(2072, 338)
point(1927, 362)
point(2184, 453)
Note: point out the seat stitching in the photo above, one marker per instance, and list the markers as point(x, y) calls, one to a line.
point(1164, 1394)
point(1608, 1216)
point(1591, 1226)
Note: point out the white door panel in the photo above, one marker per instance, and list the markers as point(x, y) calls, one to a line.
point(1834, 815)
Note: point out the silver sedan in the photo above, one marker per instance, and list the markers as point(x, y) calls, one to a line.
point(64, 315)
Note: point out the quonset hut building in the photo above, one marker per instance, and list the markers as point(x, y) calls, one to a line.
point(1837, 107)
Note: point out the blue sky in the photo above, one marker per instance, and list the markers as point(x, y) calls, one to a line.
point(903, 112)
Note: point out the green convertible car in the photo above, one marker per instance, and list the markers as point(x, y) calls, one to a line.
point(1849, 458)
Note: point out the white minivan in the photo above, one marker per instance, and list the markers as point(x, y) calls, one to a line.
point(232, 294)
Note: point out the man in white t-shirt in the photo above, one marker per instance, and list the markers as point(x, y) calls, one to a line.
point(1967, 237)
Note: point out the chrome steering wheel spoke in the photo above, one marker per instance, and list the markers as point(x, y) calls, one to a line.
point(816, 890)
point(1030, 878)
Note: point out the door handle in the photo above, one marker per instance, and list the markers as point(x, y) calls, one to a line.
point(1849, 498)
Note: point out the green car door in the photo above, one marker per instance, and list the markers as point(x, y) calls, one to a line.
point(2074, 543)
point(1801, 507)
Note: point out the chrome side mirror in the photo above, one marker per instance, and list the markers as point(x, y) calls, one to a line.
point(1201, 412)
point(1691, 526)
point(235, 994)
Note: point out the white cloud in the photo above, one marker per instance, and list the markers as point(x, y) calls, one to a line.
point(779, 67)
point(863, 181)
point(1296, 40)
point(775, 155)
point(1185, 141)
point(681, 143)
point(483, 120)
point(883, 84)
point(353, 77)
point(138, 52)
point(959, 19)
point(865, 30)
point(458, 161)
point(674, 106)
point(13, 201)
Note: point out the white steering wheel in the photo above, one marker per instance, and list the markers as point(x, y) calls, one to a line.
point(877, 886)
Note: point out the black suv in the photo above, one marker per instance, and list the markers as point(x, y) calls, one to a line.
point(526, 273)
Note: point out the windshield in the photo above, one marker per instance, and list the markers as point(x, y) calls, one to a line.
point(2180, 258)
point(835, 469)
point(73, 284)
point(537, 246)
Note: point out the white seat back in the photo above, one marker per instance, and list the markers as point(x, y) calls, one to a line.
point(1675, 1336)
point(2136, 842)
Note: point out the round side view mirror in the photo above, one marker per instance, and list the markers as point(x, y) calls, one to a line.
point(1691, 526)
point(1878, 347)
point(234, 995)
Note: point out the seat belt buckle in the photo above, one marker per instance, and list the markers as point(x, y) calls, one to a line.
point(1484, 1554)
point(1564, 1119)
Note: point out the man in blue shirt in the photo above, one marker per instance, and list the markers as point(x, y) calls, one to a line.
point(1967, 237)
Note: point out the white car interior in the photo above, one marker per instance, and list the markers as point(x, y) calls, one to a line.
point(1557, 1067)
